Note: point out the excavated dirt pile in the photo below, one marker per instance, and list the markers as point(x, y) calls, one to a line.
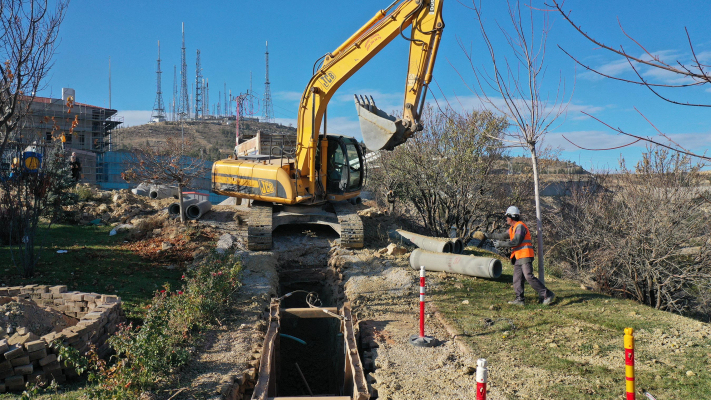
point(20, 317)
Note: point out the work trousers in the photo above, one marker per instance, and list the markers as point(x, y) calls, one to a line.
point(524, 268)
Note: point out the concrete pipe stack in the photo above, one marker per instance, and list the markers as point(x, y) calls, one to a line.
point(174, 209)
point(197, 210)
point(481, 267)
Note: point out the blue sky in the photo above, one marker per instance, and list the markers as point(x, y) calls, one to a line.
point(231, 37)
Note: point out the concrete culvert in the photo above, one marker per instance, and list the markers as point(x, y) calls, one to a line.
point(441, 245)
point(481, 267)
point(174, 209)
point(457, 246)
point(197, 210)
point(163, 192)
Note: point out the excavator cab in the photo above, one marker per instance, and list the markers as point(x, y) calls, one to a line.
point(380, 130)
point(344, 171)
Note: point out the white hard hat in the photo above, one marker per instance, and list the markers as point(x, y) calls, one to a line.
point(513, 210)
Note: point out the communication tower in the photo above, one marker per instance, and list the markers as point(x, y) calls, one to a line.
point(158, 114)
point(184, 102)
point(198, 87)
point(268, 113)
point(174, 104)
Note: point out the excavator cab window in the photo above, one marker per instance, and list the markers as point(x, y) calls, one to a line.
point(345, 165)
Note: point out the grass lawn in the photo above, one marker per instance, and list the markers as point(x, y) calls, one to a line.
point(574, 348)
point(95, 262)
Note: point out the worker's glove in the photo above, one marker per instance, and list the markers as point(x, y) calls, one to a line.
point(497, 243)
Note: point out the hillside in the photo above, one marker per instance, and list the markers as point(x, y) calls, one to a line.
point(212, 140)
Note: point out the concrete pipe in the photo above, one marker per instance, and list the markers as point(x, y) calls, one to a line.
point(139, 192)
point(196, 211)
point(163, 192)
point(457, 245)
point(481, 267)
point(174, 209)
point(442, 245)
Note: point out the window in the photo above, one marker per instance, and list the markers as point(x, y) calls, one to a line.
point(81, 139)
point(48, 136)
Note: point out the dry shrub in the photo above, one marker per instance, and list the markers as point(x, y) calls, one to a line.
point(641, 234)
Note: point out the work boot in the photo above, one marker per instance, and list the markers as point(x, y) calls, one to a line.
point(517, 302)
point(548, 300)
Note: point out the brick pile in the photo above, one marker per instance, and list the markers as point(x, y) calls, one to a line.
point(23, 359)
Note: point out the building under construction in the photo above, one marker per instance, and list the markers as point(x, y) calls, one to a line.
point(52, 119)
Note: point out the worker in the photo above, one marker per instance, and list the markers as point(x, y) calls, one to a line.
point(518, 239)
point(390, 197)
point(75, 166)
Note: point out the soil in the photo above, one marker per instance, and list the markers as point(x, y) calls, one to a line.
point(16, 314)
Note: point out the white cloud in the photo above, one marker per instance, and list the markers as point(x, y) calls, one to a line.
point(134, 117)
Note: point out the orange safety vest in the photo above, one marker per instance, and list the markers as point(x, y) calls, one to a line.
point(525, 249)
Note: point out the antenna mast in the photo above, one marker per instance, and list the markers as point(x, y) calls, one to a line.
point(198, 87)
point(158, 114)
point(184, 102)
point(268, 113)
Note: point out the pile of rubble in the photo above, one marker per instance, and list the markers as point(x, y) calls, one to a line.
point(109, 207)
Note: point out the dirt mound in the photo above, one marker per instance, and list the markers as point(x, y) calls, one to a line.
point(119, 206)
point(19, 316)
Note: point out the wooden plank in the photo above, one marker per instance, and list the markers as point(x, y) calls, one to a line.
point(308, 312)
point(266, 367)
point(360, 386)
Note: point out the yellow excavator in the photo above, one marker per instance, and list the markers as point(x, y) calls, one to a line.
point(321, 180)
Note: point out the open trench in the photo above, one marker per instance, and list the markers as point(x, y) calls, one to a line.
point(306, 351)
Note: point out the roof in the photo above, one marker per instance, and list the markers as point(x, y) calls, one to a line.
point(49, 100)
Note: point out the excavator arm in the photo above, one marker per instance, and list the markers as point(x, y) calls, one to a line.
point(380, 130)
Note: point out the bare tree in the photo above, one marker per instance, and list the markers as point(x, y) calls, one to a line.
point(517, 81)
point(695, 72)
point(28, 39)
point(451, 172)
point(166, 164)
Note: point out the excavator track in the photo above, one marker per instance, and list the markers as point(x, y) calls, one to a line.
point(351, 225)
point(259, 230)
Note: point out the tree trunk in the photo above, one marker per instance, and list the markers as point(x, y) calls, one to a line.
point(180, 201)
point(539, 222)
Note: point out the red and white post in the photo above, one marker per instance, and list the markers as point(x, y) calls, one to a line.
point(482, 376)
point(421, 340)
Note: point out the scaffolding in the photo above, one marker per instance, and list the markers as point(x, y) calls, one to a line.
point(50, 119)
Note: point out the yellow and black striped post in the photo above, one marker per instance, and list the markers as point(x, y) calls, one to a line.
point(629, 362)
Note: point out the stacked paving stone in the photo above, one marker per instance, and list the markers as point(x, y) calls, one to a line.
point(23, 359)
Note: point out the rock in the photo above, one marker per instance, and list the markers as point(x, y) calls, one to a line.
point(156, 232)
point(465, 302)
point(469, 370)
point(165, 246)
point(395, 250)
point(690, 373)
point(225, 242)
point(200, 252)
point(585, 287)
point(383, 251)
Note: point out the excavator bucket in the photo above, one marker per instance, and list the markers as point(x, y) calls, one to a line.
point(380, 130)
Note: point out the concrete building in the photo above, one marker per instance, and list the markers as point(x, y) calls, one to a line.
point(93, 126)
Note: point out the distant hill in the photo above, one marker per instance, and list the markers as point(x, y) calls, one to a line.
point(212, 139)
